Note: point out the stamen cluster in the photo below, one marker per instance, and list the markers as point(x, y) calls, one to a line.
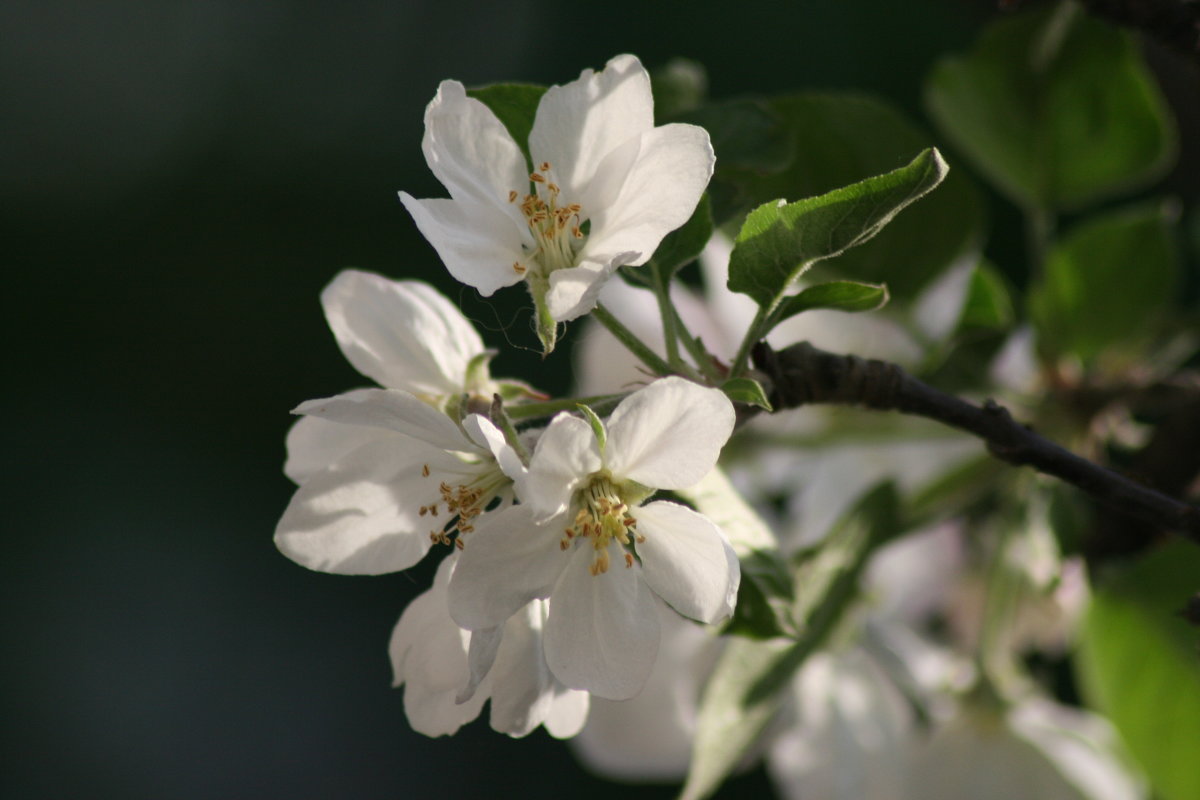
point(548, 222)
point(603, 517)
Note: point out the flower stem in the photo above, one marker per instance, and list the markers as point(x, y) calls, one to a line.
point(662, 292)
point(704, 359)
point(532, 410)
point(632, 342)
point(752, 337)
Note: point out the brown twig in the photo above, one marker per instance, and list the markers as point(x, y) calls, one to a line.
point(802, 374)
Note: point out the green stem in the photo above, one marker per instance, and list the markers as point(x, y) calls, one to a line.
point(632, 342)
point(704, 359)
point(533, 410)
point(662, 292)
point(752, 336)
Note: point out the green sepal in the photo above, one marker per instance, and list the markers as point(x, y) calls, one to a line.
point(779, 241)
point(596, 424)
point(746, 390)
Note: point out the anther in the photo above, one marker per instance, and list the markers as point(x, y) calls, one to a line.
point(517, 268)
point(536, 178)
point(425, 471)
point(512, 195)
point(545, 166)
point(628, 560)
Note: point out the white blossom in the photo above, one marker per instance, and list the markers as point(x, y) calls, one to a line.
point(608, 185)
point(419, 479)
point(403, 335)
point(583, 539)
point(437, 663)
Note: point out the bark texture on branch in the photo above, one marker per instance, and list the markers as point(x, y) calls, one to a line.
point(802, 374)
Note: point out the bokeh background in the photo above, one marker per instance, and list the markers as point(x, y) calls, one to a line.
point(178, 181)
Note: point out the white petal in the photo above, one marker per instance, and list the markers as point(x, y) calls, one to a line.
point(429, 656)
point(669, 434)
point(1082, 746)
point(602, 633)
point(471, 152)
point(480, 657)
point(360, 517)
point(391, 410)
point(566, 454)
point(485, 434)
point(313, 444)
point(658, 193)
point(402, 334)
point(575, 290)
point(687, 561)
point(579, 123)
point(507, 562)
point(477, 243)
point(522, 686)
point(649, 737)
point(568, 712)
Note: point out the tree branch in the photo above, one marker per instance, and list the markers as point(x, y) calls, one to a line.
point(802, 374)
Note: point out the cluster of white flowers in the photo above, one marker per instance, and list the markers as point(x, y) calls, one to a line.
point(564, 587)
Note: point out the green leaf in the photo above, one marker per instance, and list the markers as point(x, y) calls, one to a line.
point(746, 390)
point(988, 304)
point(745, 134)
point(836, 295)
point(779, 240)
point(827, 581)
point(1055, 108)
point(1106, 284)
point(727, 726)
point(1140, 664)
point(682, 245)
point(516, 106)
point(679, 86)
point(829, 140)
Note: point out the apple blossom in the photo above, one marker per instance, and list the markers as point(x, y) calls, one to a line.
point(433, 659)
point(607, 186)
point(583, 539)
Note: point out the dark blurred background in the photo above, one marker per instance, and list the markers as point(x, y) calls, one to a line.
point(178, 181)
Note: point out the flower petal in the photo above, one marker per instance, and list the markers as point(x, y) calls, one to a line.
point(669, 434)
point(649, 738)
point(566, 454)
point(522, 686)
point(429, 656)
point(477, 243)
point(657, 194)
point(470, 151)
point(485, 434)
point(568, 712)
point(314, 443)
point(402, 334)
point(575, 290)
point(602, 632)
point(579, 123)
point(687, 561)
point(480, 656)
point(507, 562)
point(391, 410)
point(359, 517)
